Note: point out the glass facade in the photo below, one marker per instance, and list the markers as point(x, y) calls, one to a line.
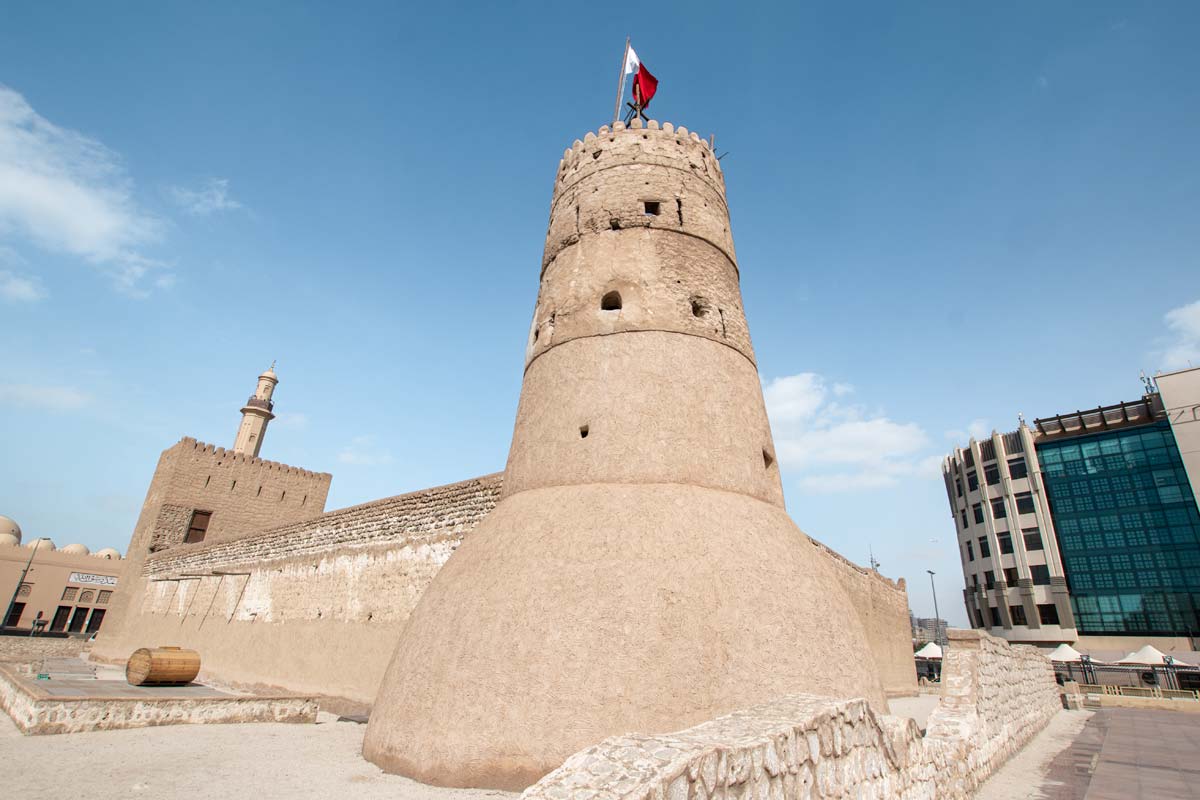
point(1128, 530)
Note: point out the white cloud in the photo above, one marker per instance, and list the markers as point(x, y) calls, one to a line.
point(362, 451)
point(976, 429)
point(211, 197)
point(1181, 346)
point(835, 446)
point(50, 398)
point(68, 193)
point(16, 288)
point(294, 419)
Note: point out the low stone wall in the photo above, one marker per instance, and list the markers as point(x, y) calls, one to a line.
point(37, 713)
point(27, 649)
point(996, 697)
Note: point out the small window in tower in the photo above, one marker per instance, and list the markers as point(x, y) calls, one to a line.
point(198, 527)
point(232, 486)
point(650, 208)
point(700, 307)
point(282, 495)
point(768, 459)
point(259, 493)
point(583, 431)
point(611, 302)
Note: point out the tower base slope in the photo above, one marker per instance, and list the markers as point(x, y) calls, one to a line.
point(576, 613)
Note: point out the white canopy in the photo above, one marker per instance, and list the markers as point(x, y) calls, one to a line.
point(930, 650)
point(1151, 656)
point(1064, 652)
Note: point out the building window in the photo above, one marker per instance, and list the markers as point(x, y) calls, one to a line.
point(95, 620)
point(989, 579)
point(1033, 539)
point(1040, 573)
point(1010, 576)
point(972, 481)
point(60, 618)
point(87, 596)
point(979, 620)
point(996, 623)
point(970, 552)
point(998, 510)
point(104, 596)
point(963, 515)
point(24, 589)
point(1025, 503)
point(975, 580)
point(1005, 543)
point(1018, 615)
point(984, 550)
point(198, 527)
point(14, 615)
point(78, 619)
point(958, 486)
point(1018, 469)
point(1048, 614)
point(978, 509)
point(992, 474)
point(70, 593)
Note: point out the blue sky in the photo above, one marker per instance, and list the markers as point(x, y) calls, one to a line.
point(945, 213)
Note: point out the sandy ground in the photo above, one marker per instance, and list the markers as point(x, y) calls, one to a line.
point(1024, 776)
point(260, 760)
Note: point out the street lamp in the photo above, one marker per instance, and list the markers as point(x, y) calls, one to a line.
point(937, 616)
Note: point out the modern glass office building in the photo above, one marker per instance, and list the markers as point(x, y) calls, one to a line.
point(1128, 530)
point(1085, 524)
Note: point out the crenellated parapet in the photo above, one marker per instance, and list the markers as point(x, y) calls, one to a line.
point(639, 240)
point(234, 457)
point(671, 181)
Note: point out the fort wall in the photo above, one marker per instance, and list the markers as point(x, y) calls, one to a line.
point(313, 606)
point(882, 605)
point(804, 747)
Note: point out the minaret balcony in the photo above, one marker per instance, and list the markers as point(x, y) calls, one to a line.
point(257, 402)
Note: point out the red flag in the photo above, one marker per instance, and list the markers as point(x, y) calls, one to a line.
point(644, 85)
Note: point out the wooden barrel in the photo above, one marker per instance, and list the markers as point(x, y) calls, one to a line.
point(162, 666)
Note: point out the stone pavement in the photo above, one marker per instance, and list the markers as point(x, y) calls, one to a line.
point(1128, 754)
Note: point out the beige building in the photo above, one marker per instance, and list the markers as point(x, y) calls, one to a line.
point(1084, 527)
point(60, 590)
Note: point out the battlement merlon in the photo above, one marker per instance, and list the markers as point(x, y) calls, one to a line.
point(651, 176)
point(242, 458)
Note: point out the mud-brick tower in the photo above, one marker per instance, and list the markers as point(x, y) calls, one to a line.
point(640, 572)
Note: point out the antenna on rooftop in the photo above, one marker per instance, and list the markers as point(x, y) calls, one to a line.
point(873, 562)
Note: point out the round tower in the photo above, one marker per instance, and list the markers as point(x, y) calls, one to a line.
point(256, 414)
point(640, 572)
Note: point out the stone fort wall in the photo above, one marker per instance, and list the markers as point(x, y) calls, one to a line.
point(882, 605)
point(316, 604)
point(996, 697)
point(313, 606)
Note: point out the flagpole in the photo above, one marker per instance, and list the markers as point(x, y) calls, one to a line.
point(621, 84)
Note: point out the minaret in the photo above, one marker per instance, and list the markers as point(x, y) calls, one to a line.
point(256, 414)
point(640, 572)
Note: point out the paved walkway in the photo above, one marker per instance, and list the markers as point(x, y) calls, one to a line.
point(1117, 754)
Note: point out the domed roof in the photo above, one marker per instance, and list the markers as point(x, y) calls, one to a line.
point(270, 373)
point(41, 544)
point(108, 552)
point(76, 549)
point(8, 540)
point(9, 525)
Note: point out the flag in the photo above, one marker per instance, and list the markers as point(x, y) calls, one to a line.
point(644, 84)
